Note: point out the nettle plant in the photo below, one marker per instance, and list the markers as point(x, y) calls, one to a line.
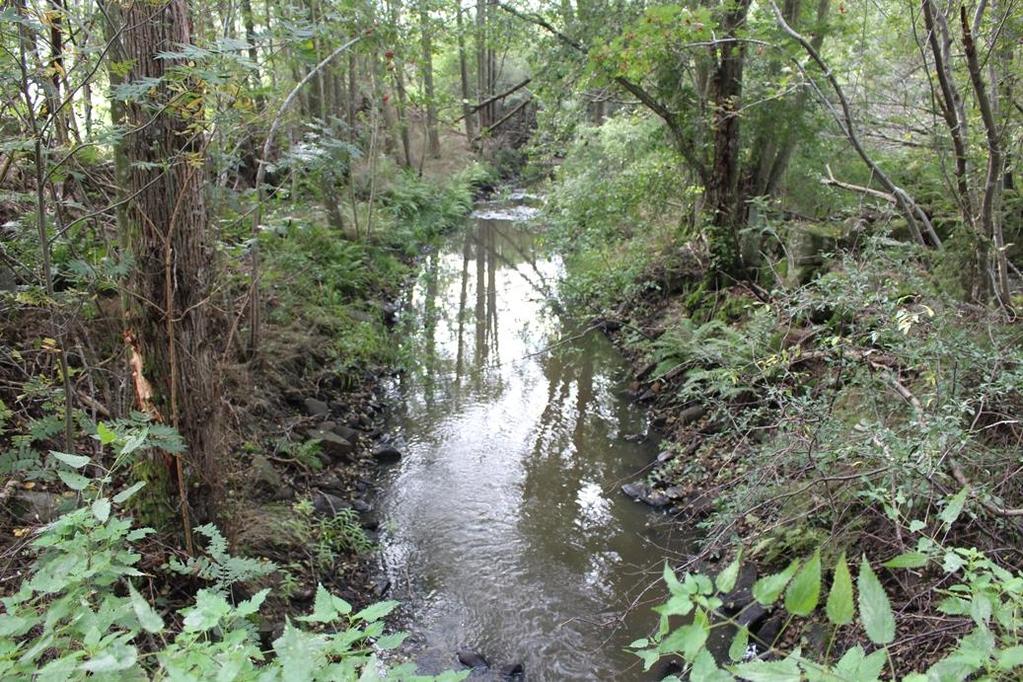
point(80, 611)
point(985, 593)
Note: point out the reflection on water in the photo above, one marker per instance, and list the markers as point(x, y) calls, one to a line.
point(504, 529)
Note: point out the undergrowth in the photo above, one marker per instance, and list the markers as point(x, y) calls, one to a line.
point(860, 409)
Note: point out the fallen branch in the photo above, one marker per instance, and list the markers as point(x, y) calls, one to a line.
point(960, 477)
point(831, 181)
point(476, 107)
point(504, 119)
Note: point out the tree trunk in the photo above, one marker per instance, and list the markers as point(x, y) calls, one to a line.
point(174, 261)
point(250, 38)
point(723, 185)
point(463, 72)
point(433, 137)
point(990, 217)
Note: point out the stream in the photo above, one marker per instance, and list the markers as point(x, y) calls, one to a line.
point(503, 528)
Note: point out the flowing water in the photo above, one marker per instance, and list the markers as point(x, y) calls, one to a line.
point(503, 528)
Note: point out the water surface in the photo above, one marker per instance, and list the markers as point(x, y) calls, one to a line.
point(504, 531)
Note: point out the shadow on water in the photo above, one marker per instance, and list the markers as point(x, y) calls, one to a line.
point(504, 530)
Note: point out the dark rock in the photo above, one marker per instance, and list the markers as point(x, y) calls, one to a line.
point(36, 506)
point(768, 632)
point(608, 325)
point(390, 312)
point(742, 593)
point(641, 492)
point(691, 414)
point(647, 396)
point(362, 506)
point(381, 586)
point(346, 432)
point(332, 445)
point(471, 659)
point(699, 504)
point(316, 408)
point(371, 524)
point(672, 667)
point(330, 482)
point(512, 671)
point(268, 480)
point(751, 615)
point(634, 437)
point(326, 504)
point(646, 370)
point(674, 492)
point(386, 454)
point(665, 456)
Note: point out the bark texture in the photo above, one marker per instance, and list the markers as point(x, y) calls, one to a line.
point(169, 238)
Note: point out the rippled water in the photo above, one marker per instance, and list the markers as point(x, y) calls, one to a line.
point(504, 531)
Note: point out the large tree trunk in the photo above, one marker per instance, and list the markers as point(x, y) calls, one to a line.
point(169, 239)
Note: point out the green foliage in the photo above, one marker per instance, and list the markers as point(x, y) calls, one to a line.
point(334, 534)
point(987, 594)
point(220, 567)
point(79, 613)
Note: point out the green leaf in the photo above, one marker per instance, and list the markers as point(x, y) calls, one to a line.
point(375, 612)
point(768, 671)
point(73, 461)
point(208, 611)
point(149, 619)
point(392, 641)
point(840, 608)
point(689, 639)
point(127, 493)
point(856, 666)
point(649, 656)
point(875, 609)
point(1010, 658)
point(804, 591)
point(73, 480)
point(737, 650)
point(769, 588)
point(671, 580)
point(101, 509)
point(115, 658)
point(326, 608)
point(300, 654)
point(907, 560)
point(954, 507)
point(707, 670)
point(105, 435)
point(252, 604)
point(725, 580)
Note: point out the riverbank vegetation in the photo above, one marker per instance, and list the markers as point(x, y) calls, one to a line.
point(832, 383)
point(801, 222)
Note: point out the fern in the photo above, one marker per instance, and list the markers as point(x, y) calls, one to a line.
point(221, 567)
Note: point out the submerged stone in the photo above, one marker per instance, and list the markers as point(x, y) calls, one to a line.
point(471, 659)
